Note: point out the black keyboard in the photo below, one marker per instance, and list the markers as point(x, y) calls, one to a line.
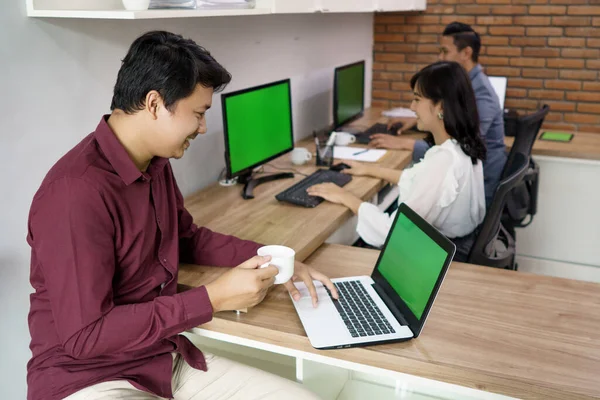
point(296, 194)
point(358, 310)
point(364, 137)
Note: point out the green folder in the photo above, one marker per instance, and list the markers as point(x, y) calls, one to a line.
point(556, 136)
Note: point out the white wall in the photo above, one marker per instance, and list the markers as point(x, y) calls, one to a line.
point(56, 78)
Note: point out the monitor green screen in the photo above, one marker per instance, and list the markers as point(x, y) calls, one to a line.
point(411, 263)
point(258, 125)
point(350, 91)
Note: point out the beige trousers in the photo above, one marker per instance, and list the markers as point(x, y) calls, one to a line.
point(225, 379)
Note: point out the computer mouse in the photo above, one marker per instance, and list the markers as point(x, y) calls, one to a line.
point(339, 167)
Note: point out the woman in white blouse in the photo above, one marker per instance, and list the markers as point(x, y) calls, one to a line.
point(446, 187)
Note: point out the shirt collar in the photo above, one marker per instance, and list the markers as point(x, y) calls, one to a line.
point(117, 156)
point(475, 71)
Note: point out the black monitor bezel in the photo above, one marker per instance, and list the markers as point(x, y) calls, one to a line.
point(224, 98)
point(414, 323)
point(337, 123)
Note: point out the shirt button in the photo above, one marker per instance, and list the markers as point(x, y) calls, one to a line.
point(164, 260)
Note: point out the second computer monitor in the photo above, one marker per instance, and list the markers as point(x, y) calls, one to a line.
point(348, 93)
point(258, 126)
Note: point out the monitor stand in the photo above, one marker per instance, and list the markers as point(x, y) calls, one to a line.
point(250, 183)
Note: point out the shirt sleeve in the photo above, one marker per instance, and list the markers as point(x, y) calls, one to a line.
point(434, 187)
point(487, 108)
point(373, 224)
point(73, 242)
point(200, 245)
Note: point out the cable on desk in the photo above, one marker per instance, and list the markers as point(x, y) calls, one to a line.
point(283, 169)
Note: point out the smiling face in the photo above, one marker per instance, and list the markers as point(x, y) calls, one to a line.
point(175, 129)
point(427, 112)
point(449, 52)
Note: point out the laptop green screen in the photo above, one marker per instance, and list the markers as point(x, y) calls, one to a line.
point(350, 91)
point(259, 125)
point(412, 263)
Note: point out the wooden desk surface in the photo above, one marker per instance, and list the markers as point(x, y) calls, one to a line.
point(517, 334)
point(584, 145)
point(265, 220)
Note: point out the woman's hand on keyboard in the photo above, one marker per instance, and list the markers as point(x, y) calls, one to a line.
point(335, 194)
point(407, 123)
point(383, 141)
point(356, 168)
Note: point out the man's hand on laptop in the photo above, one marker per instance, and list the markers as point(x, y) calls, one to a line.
point(307, 274)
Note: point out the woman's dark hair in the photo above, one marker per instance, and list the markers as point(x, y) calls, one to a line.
point(169, 64)
point(448, 83)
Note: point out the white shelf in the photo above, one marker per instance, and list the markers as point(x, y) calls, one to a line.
point(113, 9)
point(147, 14)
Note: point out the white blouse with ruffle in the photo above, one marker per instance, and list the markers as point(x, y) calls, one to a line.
point(445, 188)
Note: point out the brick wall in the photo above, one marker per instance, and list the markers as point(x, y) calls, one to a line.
point(548, 49)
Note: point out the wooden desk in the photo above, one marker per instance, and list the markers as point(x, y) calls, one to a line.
point(584, 145)
point(516, 334)
point(265, 220)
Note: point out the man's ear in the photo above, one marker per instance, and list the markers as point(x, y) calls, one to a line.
point(467, 53)
point(153, 103)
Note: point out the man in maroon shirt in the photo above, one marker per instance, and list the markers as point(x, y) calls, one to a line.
point(107, 231)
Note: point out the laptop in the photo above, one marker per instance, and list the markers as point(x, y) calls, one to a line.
point(499, 85)
point(392, 304)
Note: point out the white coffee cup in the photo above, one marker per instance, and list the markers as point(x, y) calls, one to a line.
point(282, 257)
point(300, 156)
point(344, 138)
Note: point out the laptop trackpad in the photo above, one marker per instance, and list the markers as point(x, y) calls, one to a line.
point(324, 317)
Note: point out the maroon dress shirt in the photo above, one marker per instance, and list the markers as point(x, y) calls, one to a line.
point(106, 241)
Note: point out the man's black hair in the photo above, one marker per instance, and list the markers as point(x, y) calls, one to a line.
point(169, 64)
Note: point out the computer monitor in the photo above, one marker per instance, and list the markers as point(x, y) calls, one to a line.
point(257, 124)
point(348, 93)
point(499, 85)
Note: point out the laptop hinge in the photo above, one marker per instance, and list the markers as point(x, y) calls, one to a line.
point(388, 302)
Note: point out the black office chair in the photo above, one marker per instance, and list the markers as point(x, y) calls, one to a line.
point(522, 201)
point(494, 245)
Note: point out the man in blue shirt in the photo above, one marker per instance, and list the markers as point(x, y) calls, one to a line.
point(460, 43)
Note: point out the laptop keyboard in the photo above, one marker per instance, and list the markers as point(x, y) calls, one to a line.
point(358, 311)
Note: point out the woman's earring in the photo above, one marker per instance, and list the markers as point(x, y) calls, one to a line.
point(440, 115)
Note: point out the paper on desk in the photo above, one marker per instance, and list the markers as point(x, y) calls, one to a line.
point(399, 113)
point(347, 153)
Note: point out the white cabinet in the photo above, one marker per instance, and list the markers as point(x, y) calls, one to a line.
point(294, 6)
point(345, 5)
point(400, 5)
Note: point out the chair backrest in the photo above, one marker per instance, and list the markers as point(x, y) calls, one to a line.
point(527, 130)
point(522, 201)
point(485, 250)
